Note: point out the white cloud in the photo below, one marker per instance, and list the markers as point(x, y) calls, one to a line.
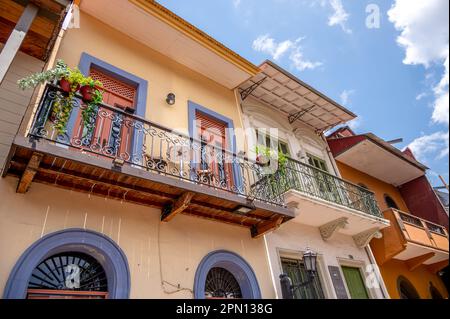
point(424, 35)
point(236, 3)
point(277, 50)
point(435, 145)
point(266, 44)
point(339, 16)
point(345, 96)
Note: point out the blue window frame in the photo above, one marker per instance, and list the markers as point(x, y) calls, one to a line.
point(88, 61)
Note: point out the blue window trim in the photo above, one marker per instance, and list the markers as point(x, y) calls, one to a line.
point(236, 265)
point(193, 108)
point(86, 62)
point(113, 260)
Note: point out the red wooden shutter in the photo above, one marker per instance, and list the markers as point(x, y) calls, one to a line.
point(112, 86)
point(212, 126)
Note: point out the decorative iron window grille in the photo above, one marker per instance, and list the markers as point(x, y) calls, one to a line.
point(220, 283)
point(69, 271)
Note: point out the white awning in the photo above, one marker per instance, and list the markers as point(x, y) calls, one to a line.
point(282, 91)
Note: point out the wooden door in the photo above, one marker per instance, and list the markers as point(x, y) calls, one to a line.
point(213, 165)
point(355, 283)
point(112, 133)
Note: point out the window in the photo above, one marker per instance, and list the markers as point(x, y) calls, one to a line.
point(68, 275)
point(282, 146)
point(390, 202)
point(221, 284)
point(406, 289)
point(295, 269)
point(108, 130)
point(213, 167)
point(317, 162)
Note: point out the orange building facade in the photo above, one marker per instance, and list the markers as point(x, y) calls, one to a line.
point(413, 251)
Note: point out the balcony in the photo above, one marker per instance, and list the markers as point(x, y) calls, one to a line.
point(415, 241)
point(328, 202)
point(109, 152)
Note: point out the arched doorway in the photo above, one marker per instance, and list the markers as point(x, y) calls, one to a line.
point(223, 274)
point(95, 265)
point(406, 289)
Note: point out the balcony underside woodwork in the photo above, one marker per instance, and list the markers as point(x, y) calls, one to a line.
point(42, 34)
point(74, 170)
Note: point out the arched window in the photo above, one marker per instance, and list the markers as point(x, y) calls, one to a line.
point(406, 289)
point(71, 263)
point(68, 275)
point(390, 202)
point(223, 274)
point(220, 283)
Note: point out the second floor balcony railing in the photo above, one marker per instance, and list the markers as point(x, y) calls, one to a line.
point(319, 184)
point(117, 134)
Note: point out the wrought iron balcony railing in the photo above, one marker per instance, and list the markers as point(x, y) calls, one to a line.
point(316, 183)
point(114, 133)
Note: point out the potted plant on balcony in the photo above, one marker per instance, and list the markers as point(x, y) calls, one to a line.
point(70, 81)
point(90, 89)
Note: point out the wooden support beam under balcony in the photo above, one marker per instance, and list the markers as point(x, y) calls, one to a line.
point(29, 173)
point(266, 227)
point(38, 39)
point(170, 211)
point(416, 262)
point(79, 170)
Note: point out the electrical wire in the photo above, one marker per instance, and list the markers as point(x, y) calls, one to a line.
point(177, 287)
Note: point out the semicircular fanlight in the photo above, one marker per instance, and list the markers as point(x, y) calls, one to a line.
point(220, 283)
point(69, 271)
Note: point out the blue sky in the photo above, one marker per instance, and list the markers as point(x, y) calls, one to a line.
point(395, 77)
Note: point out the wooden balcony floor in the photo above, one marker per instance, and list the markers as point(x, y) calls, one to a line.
point(72, 169)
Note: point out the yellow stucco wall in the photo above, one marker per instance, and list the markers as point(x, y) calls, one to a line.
point(393, 269)
point(163, 74)
point(179, 245)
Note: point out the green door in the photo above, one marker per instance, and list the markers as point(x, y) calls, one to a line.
point(355, 283)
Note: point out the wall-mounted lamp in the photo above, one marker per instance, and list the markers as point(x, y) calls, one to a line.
point(170, 99)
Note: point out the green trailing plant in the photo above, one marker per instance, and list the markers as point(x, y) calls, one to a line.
point(90, 110)
point(71, 81)
point(277, 180)
point(58, 72)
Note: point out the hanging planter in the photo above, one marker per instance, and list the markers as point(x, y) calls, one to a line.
point(65, 85)
point(87, 92)
point(70, 81)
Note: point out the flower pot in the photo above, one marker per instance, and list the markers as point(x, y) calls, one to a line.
point(263, 160)
point(87, 92)
point(65, 85)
